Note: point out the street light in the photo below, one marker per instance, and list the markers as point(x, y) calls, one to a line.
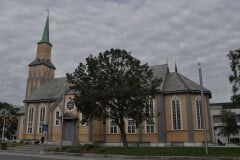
point(204, 114)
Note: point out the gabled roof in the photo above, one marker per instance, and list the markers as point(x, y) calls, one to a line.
point(42, 61)
point(50, 91)
point(176, 82)
point(171, 83)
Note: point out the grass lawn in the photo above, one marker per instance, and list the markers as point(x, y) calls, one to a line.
point(13, 144)
point(173, 151)
point(155, 151)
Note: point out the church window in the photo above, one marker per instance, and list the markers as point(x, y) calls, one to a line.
point(57, 118)
point(30, 120)
point(131, 125)
point(176, 113)
point(41, 118)
point(149, 117)
point(82, 119)
point(70, 105)
point(113, 126)
point(199, 113)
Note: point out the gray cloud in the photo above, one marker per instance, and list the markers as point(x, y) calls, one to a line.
point(184, 31)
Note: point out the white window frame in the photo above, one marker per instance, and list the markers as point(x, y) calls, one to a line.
point(30, 119)
point(42, 116)
point(177, 116)
point(150, 123)
point(131, 126)
point(57, 120)
point(70, 102)
point(199, 113)
point(113, 128)
point(80, 120)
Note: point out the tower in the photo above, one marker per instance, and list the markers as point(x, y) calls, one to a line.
point(41, 69)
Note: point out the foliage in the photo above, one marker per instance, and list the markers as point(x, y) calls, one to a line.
point(234, 78)
point(11, 119)
point(14, 144)
point(113, 85)
point(230, 126)
point(86, 148)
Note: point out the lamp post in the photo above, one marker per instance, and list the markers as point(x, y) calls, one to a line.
point(204, 113)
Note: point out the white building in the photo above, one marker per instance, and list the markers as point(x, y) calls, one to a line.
point(215, 112)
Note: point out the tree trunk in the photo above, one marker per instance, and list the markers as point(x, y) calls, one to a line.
point(123, 134)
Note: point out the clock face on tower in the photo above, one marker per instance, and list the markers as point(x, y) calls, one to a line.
point(70, 105)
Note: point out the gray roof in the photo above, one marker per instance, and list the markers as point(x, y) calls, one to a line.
point(42, 61)
point(176, 82)
point(160, 71)
point(49, 91)
point(171, 83)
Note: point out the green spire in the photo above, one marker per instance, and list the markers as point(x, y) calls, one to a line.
point(45, 35)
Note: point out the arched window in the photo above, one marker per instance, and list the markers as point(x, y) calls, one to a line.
point(30, 120)
point(150, 117)
point(199, 112)
point(176, 113)
point(41, 118)
point(57, 118)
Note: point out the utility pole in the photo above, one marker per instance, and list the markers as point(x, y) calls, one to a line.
point(203, 107)
point(62, 117)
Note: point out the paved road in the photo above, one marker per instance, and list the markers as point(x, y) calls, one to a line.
point(24, 156)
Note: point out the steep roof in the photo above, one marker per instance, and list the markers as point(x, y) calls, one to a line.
point(49, 91)
point(171, 83)
point(176, 82)
point(42, 61)
point(45, 35)
point(160, 71)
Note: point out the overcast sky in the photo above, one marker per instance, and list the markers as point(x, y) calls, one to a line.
point(155, 31)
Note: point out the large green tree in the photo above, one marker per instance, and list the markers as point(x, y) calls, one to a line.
point(10, 119)
point(113, 85)
point(229, 121)
point(234, 78)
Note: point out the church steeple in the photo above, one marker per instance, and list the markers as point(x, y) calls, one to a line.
point(45, 35)
point(41, 69)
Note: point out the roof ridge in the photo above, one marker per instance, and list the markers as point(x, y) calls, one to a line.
point(158, 65)
point(182, 80)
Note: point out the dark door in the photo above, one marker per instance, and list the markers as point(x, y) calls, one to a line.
point(69, 130)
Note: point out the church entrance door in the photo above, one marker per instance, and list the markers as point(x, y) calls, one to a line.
point(69, 130)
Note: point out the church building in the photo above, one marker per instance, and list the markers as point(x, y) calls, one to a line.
point(176, 110)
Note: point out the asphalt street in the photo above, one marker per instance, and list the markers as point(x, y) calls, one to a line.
point(24, 156)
